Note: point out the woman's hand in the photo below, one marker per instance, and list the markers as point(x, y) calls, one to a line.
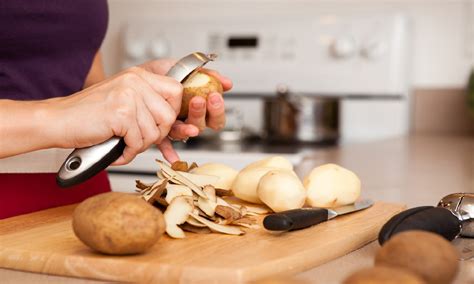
point(136, 104)
point(139, 104)
point(202, 113)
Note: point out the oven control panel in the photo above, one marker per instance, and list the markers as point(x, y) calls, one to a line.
point(326, 54)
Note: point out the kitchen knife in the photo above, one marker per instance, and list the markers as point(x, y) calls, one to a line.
point(85, 163)
point(305, 217)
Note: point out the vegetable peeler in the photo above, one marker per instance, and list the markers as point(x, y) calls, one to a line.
point(85, 163)
point(452, 218)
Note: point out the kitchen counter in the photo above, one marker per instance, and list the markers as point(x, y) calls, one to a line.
point(415, 171)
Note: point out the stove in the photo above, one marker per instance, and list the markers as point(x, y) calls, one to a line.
point(358, 57)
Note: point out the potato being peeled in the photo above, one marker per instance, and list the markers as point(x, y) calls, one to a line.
point(225, 173)
point(281, 190)
point(331, 186)
point(117, 223)
point(199, 84)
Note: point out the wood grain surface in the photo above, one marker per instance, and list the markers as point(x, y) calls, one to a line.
point(43, 242)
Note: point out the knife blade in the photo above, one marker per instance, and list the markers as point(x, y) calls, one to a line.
point(306, 217)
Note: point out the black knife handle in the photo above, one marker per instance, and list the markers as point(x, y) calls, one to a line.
point(426, 218)
point(89, 162)
point(295, 219)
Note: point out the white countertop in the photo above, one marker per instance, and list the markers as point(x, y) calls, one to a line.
point(415, 171)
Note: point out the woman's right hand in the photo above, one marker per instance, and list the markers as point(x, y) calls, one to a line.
point(136, 104)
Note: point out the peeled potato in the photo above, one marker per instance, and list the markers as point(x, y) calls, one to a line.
point(281, 190)
point(225, 173)
point(246, 183)
point(272, 162)
point(426, 254)
point(331, 186)
point(117, 223)
point(199, 84)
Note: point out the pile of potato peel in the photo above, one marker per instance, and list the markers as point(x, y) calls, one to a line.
point(210, 198)
point(191, 203)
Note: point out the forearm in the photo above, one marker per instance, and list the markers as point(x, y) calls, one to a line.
point(26, 126)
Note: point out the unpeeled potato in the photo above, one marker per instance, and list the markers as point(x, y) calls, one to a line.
point(426, 254)
point(117, 223)
point(199, 84)
point(383, 275)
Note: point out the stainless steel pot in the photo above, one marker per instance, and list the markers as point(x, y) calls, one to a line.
point(297, 118)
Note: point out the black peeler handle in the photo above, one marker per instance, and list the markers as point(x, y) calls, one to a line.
point(426, 218)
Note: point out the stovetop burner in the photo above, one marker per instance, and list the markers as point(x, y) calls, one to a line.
point(251, 144)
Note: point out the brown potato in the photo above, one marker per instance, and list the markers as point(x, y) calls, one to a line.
point(200, 84)
point(429, 255)
point(117, 223)
point(383, 275)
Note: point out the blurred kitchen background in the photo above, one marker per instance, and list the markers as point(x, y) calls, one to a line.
point(307, 74)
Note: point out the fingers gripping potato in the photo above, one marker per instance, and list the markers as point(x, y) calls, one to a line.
point(199, 84)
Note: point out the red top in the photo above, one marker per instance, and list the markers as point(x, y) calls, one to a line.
point(47, 48)
point(25, 193)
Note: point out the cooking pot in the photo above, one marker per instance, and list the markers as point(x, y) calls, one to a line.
point(298, 118)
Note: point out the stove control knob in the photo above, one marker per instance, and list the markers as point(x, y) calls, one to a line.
point(343, 47)
point(135, 49)
point(374, 49)
point(159, 48)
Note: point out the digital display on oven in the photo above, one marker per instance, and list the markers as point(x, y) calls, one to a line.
point(242, 42)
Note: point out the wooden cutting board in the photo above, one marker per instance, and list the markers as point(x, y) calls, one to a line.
point(43, 242)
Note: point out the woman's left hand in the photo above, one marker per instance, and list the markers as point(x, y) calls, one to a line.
point(202, 113)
